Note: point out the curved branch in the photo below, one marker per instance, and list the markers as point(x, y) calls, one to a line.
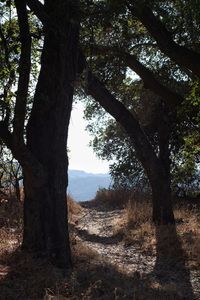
point(151, 82)
point(179, 54)
point(38, 8)
point(170, 97)
point(121, 114)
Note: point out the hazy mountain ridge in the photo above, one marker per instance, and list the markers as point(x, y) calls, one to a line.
point(83, 186)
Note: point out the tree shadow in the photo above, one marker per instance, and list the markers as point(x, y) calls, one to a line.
point(91, 278)
point(25, 277)
point(170, 268)
point(94, 238)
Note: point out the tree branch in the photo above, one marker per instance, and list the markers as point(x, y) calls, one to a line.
point(38, 8)
point(179, 54)
point(115, 108)
point(170, 97)
point(5, 134)
point(24, 73)
point(11, 73)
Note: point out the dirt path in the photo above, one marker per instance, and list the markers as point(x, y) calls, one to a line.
point(96, 228)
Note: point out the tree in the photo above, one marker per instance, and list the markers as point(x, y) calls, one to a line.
point(156, 162)
point(111, 142)
point(41, 149)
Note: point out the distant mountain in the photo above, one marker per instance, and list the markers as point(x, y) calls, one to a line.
point(83, 186)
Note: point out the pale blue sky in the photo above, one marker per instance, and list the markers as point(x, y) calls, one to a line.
point(81, 156)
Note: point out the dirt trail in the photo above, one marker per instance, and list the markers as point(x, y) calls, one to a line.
point(96, 228)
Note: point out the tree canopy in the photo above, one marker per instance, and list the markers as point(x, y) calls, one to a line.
point(139, 48)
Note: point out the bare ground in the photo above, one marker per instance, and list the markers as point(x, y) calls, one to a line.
point(96, 229)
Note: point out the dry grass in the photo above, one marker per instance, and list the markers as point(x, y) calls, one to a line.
point(119, 198)
point(188, 229)
point(135, 225)
point(137, 228)
point(10, 212)
point(111, 198)
point(92, 278)
point(73, 209)
point(10, 224)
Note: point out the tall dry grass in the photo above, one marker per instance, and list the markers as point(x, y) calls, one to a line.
point(136, 227)
point(114, 198)
point(73, 209)
point(118, 198)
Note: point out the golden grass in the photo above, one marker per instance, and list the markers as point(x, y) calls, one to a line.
point(188, 229)
point(73, 209)
point(136, 228)
point(112, 198)
point(116, 198)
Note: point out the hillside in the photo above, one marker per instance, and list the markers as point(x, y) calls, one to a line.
point(83, 186)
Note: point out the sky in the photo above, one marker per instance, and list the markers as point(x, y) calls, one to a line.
point(81, 156)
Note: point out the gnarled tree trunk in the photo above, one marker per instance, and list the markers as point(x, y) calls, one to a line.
point(45, 207)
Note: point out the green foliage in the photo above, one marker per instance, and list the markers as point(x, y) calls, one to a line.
point(116, 27)
point(10, 55)
point(187, 172)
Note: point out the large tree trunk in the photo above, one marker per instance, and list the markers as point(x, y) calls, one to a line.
point(161, 187)
point(45, 207)
point(161, 200)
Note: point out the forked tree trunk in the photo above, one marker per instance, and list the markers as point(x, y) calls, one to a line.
point(45, 207)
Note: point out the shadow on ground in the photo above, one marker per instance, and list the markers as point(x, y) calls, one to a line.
point(90, 279)
point(170, 267)
point(93, 278)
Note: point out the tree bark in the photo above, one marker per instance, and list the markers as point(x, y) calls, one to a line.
point(45, 206)
point(17, 189)
point(163, 188)
point(162, 203)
